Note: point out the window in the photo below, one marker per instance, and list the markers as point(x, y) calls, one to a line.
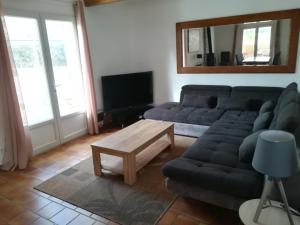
point(27, 53)
point(257, 39)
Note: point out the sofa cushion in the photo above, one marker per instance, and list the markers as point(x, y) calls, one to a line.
point(289, 94)
point(203, 116)
point(268, 106)
point(242, 130)
point(216, 148)
point(247, 148)
point(289, 118)
point(241, 116)
point(205, 90)
point(254, 104)
point(290, 87)
point(199, 101)
point(252, 92)
point(238, 182)
point(175, 112)
point(262, 121)
point(228, 103)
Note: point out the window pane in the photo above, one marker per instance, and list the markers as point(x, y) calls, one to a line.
point(66, 66)
point(248, 42)
point(264, 41)
point(27, 53)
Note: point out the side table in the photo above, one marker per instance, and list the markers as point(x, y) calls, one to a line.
point(269, 215)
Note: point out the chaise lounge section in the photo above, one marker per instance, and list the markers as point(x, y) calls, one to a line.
point(212, 170)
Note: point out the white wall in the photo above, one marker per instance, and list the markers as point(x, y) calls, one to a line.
point(139, 35)
point(224, 36)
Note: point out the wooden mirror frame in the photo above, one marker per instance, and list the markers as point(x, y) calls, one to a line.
point(293, 14)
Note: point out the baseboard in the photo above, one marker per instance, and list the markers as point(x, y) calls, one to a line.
point(74, 135)
point(47, 147)
point(44, 148)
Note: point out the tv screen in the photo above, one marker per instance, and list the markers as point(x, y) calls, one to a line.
point(127, 90)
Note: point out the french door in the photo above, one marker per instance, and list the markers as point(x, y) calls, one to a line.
point(46, 56)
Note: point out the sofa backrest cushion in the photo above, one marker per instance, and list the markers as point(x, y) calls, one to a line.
point(288, 118)
point(289, 95)
point(199, 101)
point(258, 95)
point(229, 103)
point(205, 90)
point(290, 87)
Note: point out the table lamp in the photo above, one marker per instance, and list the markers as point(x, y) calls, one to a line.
point(275, 156)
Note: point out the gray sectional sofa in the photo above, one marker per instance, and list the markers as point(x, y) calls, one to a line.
point(216, 169)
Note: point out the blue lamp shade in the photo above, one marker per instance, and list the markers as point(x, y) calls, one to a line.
point(276, 154)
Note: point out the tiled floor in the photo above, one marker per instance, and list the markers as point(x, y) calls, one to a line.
point(20, 204)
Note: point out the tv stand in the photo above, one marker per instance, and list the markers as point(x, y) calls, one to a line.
point(126, 116)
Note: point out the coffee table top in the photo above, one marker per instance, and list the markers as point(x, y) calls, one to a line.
point(135, 137)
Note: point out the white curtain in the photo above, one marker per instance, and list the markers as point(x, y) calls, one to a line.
point(17, 141)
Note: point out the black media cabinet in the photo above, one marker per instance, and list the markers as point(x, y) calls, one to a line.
point(124, 116)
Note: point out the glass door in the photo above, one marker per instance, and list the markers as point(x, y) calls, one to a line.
point(67, 76)
point(25, 40)
point(48, 66)
point(28, 56)
point(66, 67)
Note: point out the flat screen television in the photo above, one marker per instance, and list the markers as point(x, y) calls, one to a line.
point(127, 90)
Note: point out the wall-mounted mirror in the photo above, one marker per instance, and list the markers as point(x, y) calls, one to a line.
point(264, 42)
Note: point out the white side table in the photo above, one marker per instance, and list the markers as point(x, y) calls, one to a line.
point(268, 216)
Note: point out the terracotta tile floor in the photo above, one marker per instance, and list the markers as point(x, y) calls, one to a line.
point(20, 204)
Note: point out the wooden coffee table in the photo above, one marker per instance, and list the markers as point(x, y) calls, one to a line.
point(137, 145)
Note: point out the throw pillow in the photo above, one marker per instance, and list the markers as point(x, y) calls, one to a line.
point(262, 121)
point(268, 106)
point(230, 103)
point(198, 101)
point(247, 148)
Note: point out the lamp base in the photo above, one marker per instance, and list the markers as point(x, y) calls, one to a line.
point(264, 198)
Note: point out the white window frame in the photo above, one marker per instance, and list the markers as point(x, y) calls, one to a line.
point(257, 25)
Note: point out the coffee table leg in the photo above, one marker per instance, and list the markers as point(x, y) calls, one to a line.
point(97, 162)
point(129, 167)
point(171, 137)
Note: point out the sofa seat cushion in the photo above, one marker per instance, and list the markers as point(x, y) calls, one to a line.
point(217, 149)
point(241, 116)
point(233, 181)
point(204, 116)
point(175, 112)
point(232, 129)
point(170, 111)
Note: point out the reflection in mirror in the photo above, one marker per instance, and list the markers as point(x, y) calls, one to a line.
point(253, 43)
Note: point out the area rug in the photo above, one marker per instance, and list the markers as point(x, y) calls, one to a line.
point(107, 196)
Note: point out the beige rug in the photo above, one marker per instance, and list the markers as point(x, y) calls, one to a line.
point(107, 196)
